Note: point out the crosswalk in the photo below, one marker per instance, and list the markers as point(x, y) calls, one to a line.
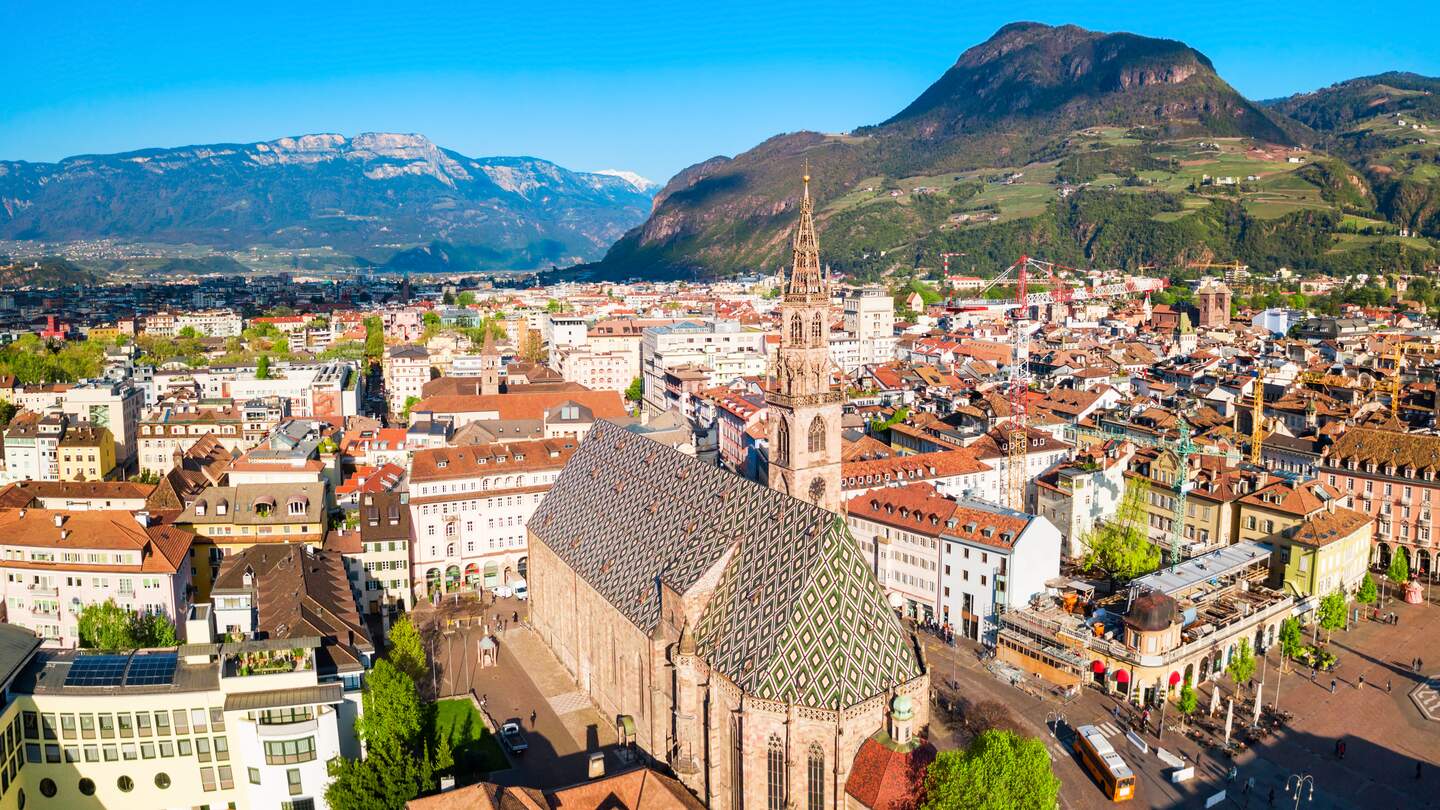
point(1108, 729)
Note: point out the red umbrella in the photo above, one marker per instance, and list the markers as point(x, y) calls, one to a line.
point(1174, 678)
point(1097, 666)
point(1122, 676)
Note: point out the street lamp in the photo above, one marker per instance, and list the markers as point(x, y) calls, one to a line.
point(1298, 781)
point(1054, 719)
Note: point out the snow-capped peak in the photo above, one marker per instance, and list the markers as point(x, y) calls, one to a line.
point(640, 183)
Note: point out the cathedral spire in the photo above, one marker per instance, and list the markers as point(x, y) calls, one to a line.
point(807, 278)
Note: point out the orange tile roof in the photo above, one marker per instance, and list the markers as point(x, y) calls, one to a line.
point(882, 778)
point(525, 404)
point(443, 463)
point(162, 545)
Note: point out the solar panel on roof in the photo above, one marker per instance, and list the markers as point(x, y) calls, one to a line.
point(151, 669)
point(97, 670)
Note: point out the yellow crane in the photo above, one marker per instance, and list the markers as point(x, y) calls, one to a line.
point(1257, 416)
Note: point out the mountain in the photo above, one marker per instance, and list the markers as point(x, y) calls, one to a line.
point(367, 194)
point(643, 184)
point(1387, 130)
point(1077, 145)
point(1342, 105)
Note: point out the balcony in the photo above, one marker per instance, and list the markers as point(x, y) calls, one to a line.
point(37, 589)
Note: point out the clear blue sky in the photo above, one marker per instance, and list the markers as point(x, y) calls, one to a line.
point(651, 87)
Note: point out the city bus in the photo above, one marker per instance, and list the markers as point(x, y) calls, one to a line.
point(1103, 763)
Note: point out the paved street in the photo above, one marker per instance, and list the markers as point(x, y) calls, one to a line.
point(1385, 733)
point(526, 679)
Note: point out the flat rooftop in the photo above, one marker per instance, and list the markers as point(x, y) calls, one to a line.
point(1208, 567)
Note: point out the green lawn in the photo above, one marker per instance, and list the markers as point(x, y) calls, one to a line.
point(477, 751)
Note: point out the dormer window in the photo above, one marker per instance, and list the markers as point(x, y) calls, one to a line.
point(442, 464)
point(222, 508)
point(297, 506)
point(199, 508)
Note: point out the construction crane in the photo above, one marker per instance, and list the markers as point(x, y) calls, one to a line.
point(1059, 290)
point(945, 257)
point(1017, 438)
point(1257, 417)
point(1183, 448)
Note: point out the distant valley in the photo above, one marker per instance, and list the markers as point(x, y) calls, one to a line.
point(373, 196)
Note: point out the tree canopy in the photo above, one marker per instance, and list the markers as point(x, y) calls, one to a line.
point(636, 390)
point(407, 650)
point(392, 727)
point(1367, 594)
point(1242, 663)
point(999, 770)
point(1399, 570)
point(1332, 612)
point(1120, 547)
point(108, 626)
point(1291, 639)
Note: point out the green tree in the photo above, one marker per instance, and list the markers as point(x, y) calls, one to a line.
point(7, 412)
point(1291, 640)
point(410, 402)
point(999, 770)
point(392, 728)
point(1121, 548)
point(374, 337)
point(1399, 570)
point(1332, 612)
point(1367, 594)
point(448, 299)
point(444, 755)
point(407, 650)
point(465, 299)
point(1188, 702)
point(188, 333)
point(106, 626)
point(155, 630)
point(554, 306)
point(262, 367)
point(1242, 664)
point(636, 390)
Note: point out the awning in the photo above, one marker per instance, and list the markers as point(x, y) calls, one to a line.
point(1097, 666)
point(1174, 678)
point(1122, 676)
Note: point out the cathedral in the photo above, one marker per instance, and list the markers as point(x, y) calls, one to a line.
point(733, 632)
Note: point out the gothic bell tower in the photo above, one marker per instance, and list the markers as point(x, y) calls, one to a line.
point(804, 404)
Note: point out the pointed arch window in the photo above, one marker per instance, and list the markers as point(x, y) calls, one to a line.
point(782, 442)
point(737, 766)
point(797, 329)
point(817, 326)
point(775, 774)
point(815, 772)
point(817, 435)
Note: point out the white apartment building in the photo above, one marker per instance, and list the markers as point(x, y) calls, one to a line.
point(406, 370)
point(469, 506)
point(956, 562)
point(561, 329)
point(599, 371)
point(109, 404)
point(222, 323)
point(171, 429)
point(870, 319)
point(58, 561)
point(32, 445)
point(724, 348)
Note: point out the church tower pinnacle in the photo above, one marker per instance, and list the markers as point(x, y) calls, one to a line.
point(803, 401)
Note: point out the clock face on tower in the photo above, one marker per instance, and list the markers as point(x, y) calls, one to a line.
point(817, 489)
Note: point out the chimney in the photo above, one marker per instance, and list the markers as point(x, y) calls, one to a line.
point(597, 764)
point(143, 518)
point(59, 520)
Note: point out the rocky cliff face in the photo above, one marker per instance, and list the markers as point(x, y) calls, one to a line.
point(353, 193)
point(1005, 102)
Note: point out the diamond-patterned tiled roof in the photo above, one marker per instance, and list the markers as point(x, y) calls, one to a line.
point(796, 616)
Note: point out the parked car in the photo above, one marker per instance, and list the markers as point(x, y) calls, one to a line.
point(521, 591)
point(514, 738)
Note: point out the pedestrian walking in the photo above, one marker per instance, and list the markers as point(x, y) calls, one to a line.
point(1387, 685)
point(515, 616)
point(1332, 686)
point(1360, 682)
point(1272, 795)
point(532, 718)
point(1342, 749)
point(1419, 665)
point(1337, 749)
point(1234, 772)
